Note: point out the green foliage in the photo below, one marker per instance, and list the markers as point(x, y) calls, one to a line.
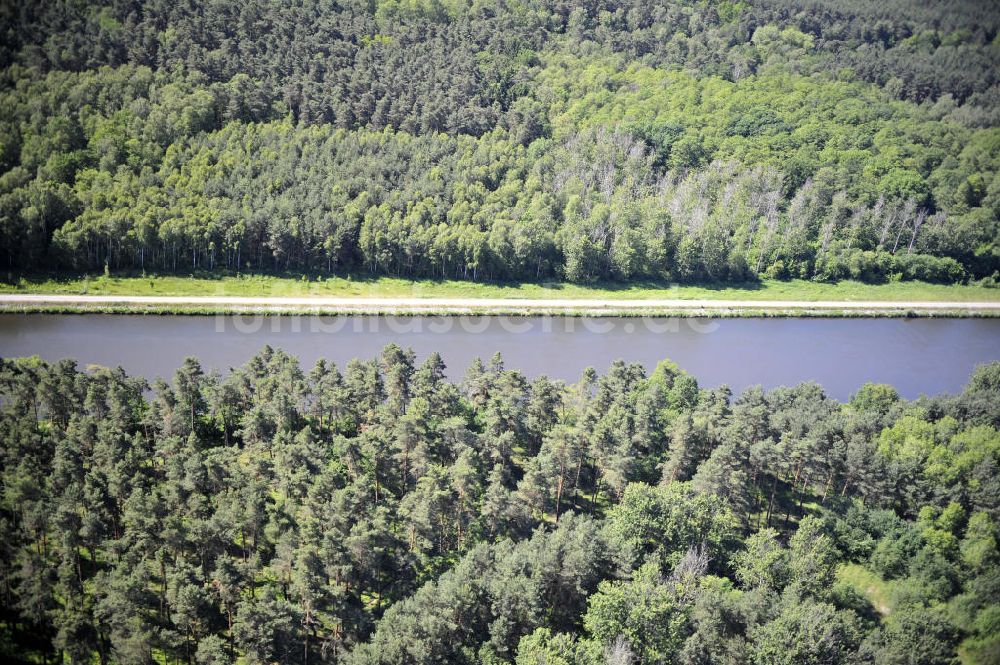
point(812, 558)
point(646, 611)
point(543, 647)
point(809, 632)
point(504, 140)
point(764, 563)
point(661, 523)
point(919, 636)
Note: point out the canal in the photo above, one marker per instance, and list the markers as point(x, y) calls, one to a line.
point(916, 356)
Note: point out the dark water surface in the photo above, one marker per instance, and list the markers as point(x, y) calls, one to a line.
point(917, 356)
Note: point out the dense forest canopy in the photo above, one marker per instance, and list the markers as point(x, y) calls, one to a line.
point(380, 513)
point(503, 139)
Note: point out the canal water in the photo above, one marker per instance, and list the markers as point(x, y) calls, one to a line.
point(917, 356)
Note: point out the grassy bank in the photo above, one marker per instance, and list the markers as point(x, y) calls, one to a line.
point(291, 286)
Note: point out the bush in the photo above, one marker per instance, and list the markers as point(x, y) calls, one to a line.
point(879, 266)
point(928, 268)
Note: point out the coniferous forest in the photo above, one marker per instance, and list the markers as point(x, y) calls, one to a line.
point(380, 513)
point(690, 140)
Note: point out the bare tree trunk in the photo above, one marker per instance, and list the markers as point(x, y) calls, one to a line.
point(917, 223)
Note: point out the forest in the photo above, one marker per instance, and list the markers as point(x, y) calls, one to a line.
point(503, 140)
point(381, 513)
